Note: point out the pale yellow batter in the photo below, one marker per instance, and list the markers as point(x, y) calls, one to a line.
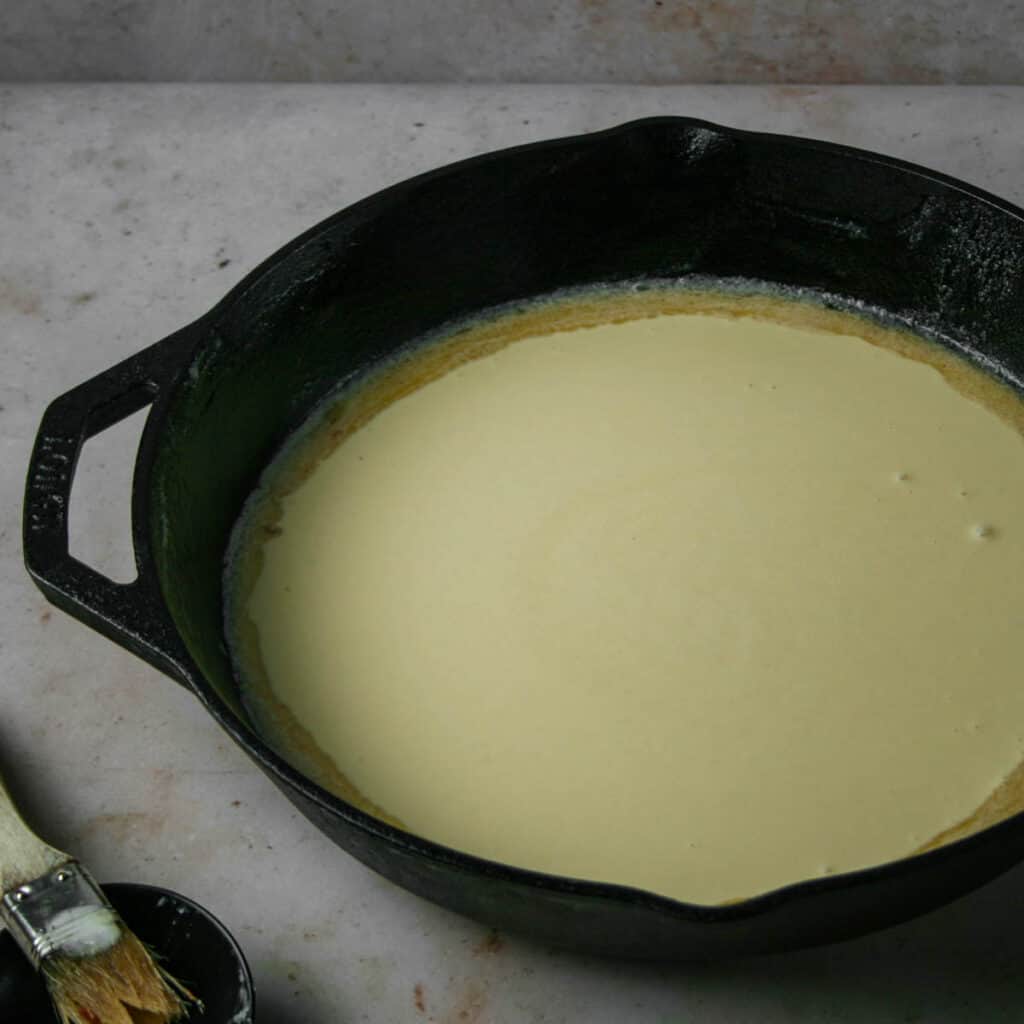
point(702, 604)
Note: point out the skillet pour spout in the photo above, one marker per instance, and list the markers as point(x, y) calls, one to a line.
point(662, 199)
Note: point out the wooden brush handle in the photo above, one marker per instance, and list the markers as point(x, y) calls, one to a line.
point(23, 855)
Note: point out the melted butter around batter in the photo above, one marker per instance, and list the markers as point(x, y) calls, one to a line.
point(700, 593)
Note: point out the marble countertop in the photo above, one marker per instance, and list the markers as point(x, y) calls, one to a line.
point(126, 211)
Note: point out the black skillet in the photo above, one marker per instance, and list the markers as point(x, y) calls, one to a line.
point(664, 198)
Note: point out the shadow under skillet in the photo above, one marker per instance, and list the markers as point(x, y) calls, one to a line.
point(961, 963)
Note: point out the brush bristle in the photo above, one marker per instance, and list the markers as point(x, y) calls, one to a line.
point(123, 985)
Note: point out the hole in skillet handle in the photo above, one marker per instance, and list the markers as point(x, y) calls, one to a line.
point(99, 515)
point(189, 941)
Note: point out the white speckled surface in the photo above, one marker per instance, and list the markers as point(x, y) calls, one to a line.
point(126, 211)
point(922, 42)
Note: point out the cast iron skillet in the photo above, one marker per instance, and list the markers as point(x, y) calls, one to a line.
point(659, 198)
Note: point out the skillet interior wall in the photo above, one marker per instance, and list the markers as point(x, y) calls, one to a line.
point(659, 199)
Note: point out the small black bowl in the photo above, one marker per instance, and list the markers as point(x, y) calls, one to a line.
point(191, 943)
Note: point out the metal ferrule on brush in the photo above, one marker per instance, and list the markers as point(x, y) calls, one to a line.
point(62, 913)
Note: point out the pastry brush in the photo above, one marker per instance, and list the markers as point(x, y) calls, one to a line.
point(96, 970)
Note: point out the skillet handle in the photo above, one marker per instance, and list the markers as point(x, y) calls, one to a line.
point(131, 614)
